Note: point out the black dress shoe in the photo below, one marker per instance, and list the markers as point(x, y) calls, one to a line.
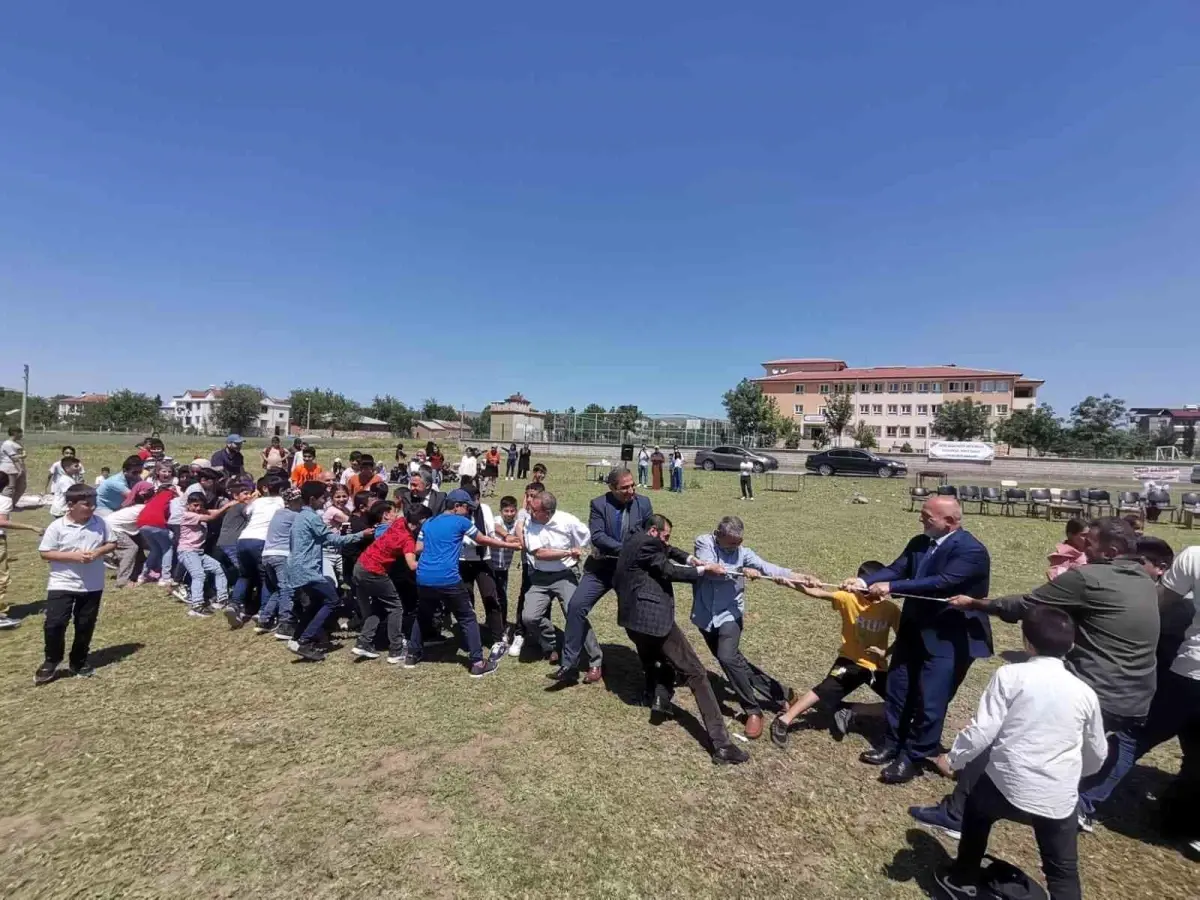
point(564, 676)
point(877, 757)
point(899, 771)
point(729, 755)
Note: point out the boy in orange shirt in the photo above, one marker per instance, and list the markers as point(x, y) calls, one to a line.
point(365, 476)
point(308, 470)
point(862, 658)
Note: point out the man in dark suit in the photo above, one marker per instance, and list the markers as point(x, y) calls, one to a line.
point(645, 569)
point(935, 643)
point(613, 517)
point(421, 492)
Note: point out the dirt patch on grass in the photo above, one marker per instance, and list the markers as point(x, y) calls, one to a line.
point(410, 817)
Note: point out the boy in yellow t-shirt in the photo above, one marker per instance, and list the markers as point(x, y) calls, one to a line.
point(862, 658)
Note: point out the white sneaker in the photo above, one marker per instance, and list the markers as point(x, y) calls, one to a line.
point(364, 653)
point(180, 593)
point(517, 644)
point(395, 660)
point(8, 622)
point(499, 650)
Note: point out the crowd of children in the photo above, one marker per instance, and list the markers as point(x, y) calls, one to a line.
point(300, 548)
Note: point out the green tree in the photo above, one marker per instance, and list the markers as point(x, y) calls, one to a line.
point(1165, 436)
point(594, 409)
point(839, 410)
point(750, 411)
point(342, 413)
point(1035, 428)
point(398, 415)
point(864, 436)
point(481, 425)
point(1187, 444)
point(627, 417)
point(308, 406)
point(238, 408)
point(961, 420)
point(431, 409)
point(1096, 426)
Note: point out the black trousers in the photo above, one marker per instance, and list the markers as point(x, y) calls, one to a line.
point(61, 606)
point(662, 657)
point(523, 467)
point(478, 573)
point(1057, 839)
point(378, 600)
point(754, 687)
point(747, 487)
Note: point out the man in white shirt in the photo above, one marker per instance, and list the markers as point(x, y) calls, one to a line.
point(1043, 731)
point(554, 541)
point(1175, 711)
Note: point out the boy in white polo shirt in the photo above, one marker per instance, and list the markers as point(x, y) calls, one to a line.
point(75, 546)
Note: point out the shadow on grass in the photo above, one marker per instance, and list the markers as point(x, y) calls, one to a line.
point(21, 610)
point(917, 862)
point(1135, 811)
point(106, 656)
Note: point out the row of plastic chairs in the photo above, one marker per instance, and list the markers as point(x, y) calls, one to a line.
point(1082, 502)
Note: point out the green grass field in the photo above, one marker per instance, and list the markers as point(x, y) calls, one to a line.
point(204, 763)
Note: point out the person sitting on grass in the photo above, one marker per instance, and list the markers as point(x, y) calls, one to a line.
point(6, 507)
point(1070, 553)
point(1042, 730)
point(862, 659)
point(75, 547)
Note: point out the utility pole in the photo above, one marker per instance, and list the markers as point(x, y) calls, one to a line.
point(25, 397)
point(308, 417)
point(462, 421)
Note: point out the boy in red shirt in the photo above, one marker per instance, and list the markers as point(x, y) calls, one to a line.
point(373, 585)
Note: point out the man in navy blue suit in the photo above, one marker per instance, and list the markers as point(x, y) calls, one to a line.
point(613, 517)
point(935, 643)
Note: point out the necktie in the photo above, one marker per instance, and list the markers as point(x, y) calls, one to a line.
point(624, 514)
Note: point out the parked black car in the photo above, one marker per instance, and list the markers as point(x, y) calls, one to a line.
point(730, 459)
point(853, 462)
point(1195, 474)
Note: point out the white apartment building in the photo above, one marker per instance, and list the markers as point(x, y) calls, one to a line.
point(899, 403)
point(194, 409)
point(73, 407)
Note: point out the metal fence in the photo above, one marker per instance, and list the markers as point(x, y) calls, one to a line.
point(611, 428)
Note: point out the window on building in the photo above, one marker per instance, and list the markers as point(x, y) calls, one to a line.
point(877, 387)
point(799, 389)
point(820, 410)
point(1002, 409)
point(891, 431)
point(877, 409)
point(954, 387)
point(922, 387)
point(892, 409)
point(922, 409)
point(987, 408)
point(906, 387)
point(968, 387)
point(905, 431)
point(987, 387)
point(864, 409)
point(838, 388)
point(864, 388)
point(878, 429)
point(1001, 387)
point(893, 387)
point(922, 431)
point(935, 387)
point(906, 409)
point(824, 389)
point(935, 408)
point(798, 409)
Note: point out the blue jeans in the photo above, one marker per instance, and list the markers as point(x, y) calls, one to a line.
point(199, 565)
point(1123, 736)
point(277, 591)
point(249, 563)
point(457, 599)
point(676, 479)
point(158, 543)
point(643, 474)
point(324, 590)
point(578, 634)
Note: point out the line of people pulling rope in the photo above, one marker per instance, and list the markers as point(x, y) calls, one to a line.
point(1047, 744)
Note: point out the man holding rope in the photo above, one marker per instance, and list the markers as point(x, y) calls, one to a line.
point(718, 608)
point(935, 643)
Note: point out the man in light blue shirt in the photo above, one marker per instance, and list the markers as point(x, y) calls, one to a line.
point(718, 607)
point(111, 492)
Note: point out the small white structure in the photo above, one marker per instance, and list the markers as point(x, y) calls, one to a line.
point(515, 419)
point(73, 407)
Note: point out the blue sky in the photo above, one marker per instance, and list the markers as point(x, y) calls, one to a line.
point(617, 203)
